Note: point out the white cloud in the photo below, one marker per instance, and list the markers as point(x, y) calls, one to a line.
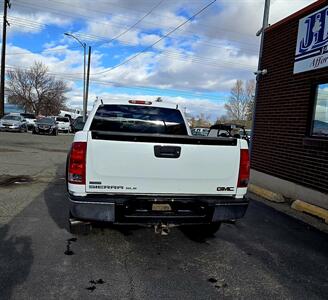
point(193, 106)
point(207, 54)
point(33, 21)
point(215, 70)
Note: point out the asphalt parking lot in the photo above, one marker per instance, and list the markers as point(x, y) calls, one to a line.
point(265, 255)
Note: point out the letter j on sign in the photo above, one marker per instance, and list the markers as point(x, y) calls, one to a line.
point(312, 42)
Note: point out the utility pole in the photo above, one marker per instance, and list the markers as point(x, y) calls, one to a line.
point(84, 83)
point(6, 5)
point(85, 104)
point(259, 71)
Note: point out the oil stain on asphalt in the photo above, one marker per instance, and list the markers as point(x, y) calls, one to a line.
point(91, 288)
point(70, 252)
point(218, 283)
point(94, 283)
point(8, 180)
point(212, 280)
point(68, 246)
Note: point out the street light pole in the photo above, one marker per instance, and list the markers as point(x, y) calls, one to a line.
point(88, 77)
point(84, 85)
point(84, 45)
point(259, 72)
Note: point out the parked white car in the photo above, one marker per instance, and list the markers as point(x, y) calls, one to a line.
point(64, 124)
point(30, 120)
point(200, 131)
point(137, 162)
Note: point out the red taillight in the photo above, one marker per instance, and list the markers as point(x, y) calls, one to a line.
point(243, 168)
point(140, 102)
point(77, 161)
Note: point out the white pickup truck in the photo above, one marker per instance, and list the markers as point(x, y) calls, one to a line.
point(71, 113)
point(136, 162)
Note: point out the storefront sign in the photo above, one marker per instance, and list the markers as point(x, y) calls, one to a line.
point(312, 42)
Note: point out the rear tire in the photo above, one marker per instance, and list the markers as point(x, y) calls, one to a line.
point(206, 230)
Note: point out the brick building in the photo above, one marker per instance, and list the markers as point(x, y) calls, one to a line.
point(290, 141)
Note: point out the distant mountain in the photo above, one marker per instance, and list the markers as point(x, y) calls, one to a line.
point(320, 128)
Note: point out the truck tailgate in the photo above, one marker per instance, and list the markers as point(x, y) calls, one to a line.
point(131, 165)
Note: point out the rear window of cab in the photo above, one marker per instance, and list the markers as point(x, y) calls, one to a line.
point(138, 119)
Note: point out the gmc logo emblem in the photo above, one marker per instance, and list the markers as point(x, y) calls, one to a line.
point(225, 189)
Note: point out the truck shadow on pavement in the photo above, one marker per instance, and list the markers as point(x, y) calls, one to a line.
point(16, 259)
point(263, 251)
point(55, 197)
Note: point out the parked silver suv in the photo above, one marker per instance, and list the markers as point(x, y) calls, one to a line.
point(13, 122)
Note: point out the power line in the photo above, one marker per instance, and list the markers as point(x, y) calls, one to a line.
point(194, 58)
point(172, 54)
point(117, 5)
point(202, 60)
point(214, 63)
point(102, 39)
point(139, 21)
point(60, 12)
point(162, 38)
point(120, 85)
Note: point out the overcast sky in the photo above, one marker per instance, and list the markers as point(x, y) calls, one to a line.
point(195, 66)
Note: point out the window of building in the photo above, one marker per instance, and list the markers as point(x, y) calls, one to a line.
point(320, 115)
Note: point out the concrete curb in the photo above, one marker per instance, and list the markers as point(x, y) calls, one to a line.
point(311, 209)
point(266, 194)
point(299, 205)
point(286, 208)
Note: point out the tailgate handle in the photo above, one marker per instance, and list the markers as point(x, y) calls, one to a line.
point(167, 151)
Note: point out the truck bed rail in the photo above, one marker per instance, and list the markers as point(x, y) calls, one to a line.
point(162, 138)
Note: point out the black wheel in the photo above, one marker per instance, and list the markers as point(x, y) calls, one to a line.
point(209, 229)
point(202, 230)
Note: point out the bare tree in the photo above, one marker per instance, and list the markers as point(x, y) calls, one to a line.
point(250, 94)
point(36, 90)
point(201, 120)
point(222, 119)
point(240, 102)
